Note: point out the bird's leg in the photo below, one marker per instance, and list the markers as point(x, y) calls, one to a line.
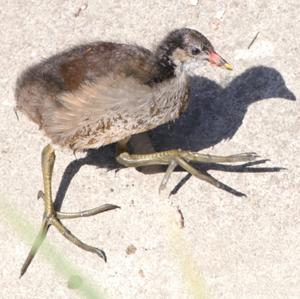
point(52, 217)
point(174, 158)
point(122, 145)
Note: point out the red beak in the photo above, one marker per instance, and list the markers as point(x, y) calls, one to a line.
point(216, 59)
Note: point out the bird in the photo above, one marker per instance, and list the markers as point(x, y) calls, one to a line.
point(104, 92)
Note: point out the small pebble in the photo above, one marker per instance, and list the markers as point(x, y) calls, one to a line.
point(80, 9)
point(141, 273)
point(131, 249)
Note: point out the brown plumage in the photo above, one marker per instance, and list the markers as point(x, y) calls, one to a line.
point(102, 92)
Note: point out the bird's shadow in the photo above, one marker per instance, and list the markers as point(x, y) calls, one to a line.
point(214, 114)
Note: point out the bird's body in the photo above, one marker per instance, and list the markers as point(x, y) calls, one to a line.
point(100, 93)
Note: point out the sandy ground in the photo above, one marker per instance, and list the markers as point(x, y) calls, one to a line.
point(230, 247)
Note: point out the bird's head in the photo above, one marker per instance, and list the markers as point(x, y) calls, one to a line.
point(188, 49)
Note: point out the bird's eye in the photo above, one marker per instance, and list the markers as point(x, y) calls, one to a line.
point(195, 51)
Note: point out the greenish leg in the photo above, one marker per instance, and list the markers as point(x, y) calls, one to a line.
point(174, 158)
point(86, 213)
point(173, 164)
point(51, 217)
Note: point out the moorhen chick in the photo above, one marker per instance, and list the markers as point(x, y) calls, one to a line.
point(101, 93)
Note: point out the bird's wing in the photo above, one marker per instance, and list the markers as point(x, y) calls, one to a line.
point(89, 62)
point(109, 109)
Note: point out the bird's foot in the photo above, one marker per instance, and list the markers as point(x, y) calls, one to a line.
point(52, 217)
point(174, 158)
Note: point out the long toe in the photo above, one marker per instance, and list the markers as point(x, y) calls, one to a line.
point(73, 239)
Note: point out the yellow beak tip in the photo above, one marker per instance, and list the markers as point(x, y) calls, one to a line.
point(228, 66)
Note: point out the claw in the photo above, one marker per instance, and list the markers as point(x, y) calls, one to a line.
point(101, 254)
point(40, 195)
point(244, 157)
point(117, 170)
point(251, 156)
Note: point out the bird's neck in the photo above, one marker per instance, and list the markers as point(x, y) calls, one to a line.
point(165, 68)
